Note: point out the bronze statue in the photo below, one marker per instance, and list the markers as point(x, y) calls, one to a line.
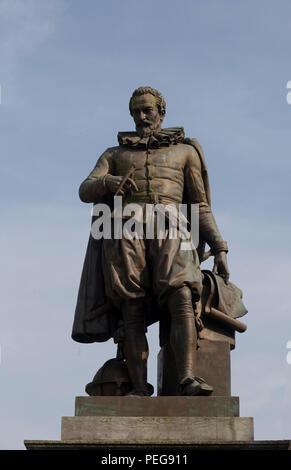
point(127, 284)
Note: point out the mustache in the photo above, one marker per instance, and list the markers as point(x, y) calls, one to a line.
point(143, 124)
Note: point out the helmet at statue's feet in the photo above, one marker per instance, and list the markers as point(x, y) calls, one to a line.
point(112, 379)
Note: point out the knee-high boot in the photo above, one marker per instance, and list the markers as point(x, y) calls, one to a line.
point(183, 340)
point(183, 336)
point(135, 346)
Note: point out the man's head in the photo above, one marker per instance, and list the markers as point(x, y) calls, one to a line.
point(148, 108)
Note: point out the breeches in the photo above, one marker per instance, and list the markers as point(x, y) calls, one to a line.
point(137, 268)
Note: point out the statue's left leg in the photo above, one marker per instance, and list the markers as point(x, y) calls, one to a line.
point(183, 340)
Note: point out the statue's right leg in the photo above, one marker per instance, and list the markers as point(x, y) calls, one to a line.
point(135, 345)
point(126, 283)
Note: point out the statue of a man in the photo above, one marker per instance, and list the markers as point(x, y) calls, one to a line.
point(168, 169)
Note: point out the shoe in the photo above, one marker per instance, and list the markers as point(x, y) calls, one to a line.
point(197, 386)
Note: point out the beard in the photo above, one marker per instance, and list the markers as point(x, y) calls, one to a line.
point(146, 129)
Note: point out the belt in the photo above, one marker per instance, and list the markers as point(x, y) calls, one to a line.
point(151, 199)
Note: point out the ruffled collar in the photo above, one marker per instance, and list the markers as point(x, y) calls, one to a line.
point(164, 137)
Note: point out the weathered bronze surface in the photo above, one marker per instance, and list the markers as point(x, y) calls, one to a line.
point(127, 284)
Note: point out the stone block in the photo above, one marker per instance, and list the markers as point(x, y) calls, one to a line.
point(157, 406)
point(157, 430)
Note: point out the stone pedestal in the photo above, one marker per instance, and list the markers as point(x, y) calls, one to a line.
point(156, 430)
point(157, 406)
point(156, 421)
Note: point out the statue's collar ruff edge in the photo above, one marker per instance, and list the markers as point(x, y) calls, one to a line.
point(164, 137)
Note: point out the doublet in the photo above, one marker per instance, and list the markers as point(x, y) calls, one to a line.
point(166, 172)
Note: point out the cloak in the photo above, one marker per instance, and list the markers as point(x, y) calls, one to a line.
point(96, 319)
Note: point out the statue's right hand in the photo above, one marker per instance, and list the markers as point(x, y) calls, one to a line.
point(112, 183)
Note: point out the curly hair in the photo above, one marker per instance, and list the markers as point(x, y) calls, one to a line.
point(143, 90)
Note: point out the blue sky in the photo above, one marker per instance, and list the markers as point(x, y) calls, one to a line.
point(67, 70)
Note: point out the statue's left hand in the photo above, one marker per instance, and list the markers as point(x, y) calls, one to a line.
point(220, 266)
